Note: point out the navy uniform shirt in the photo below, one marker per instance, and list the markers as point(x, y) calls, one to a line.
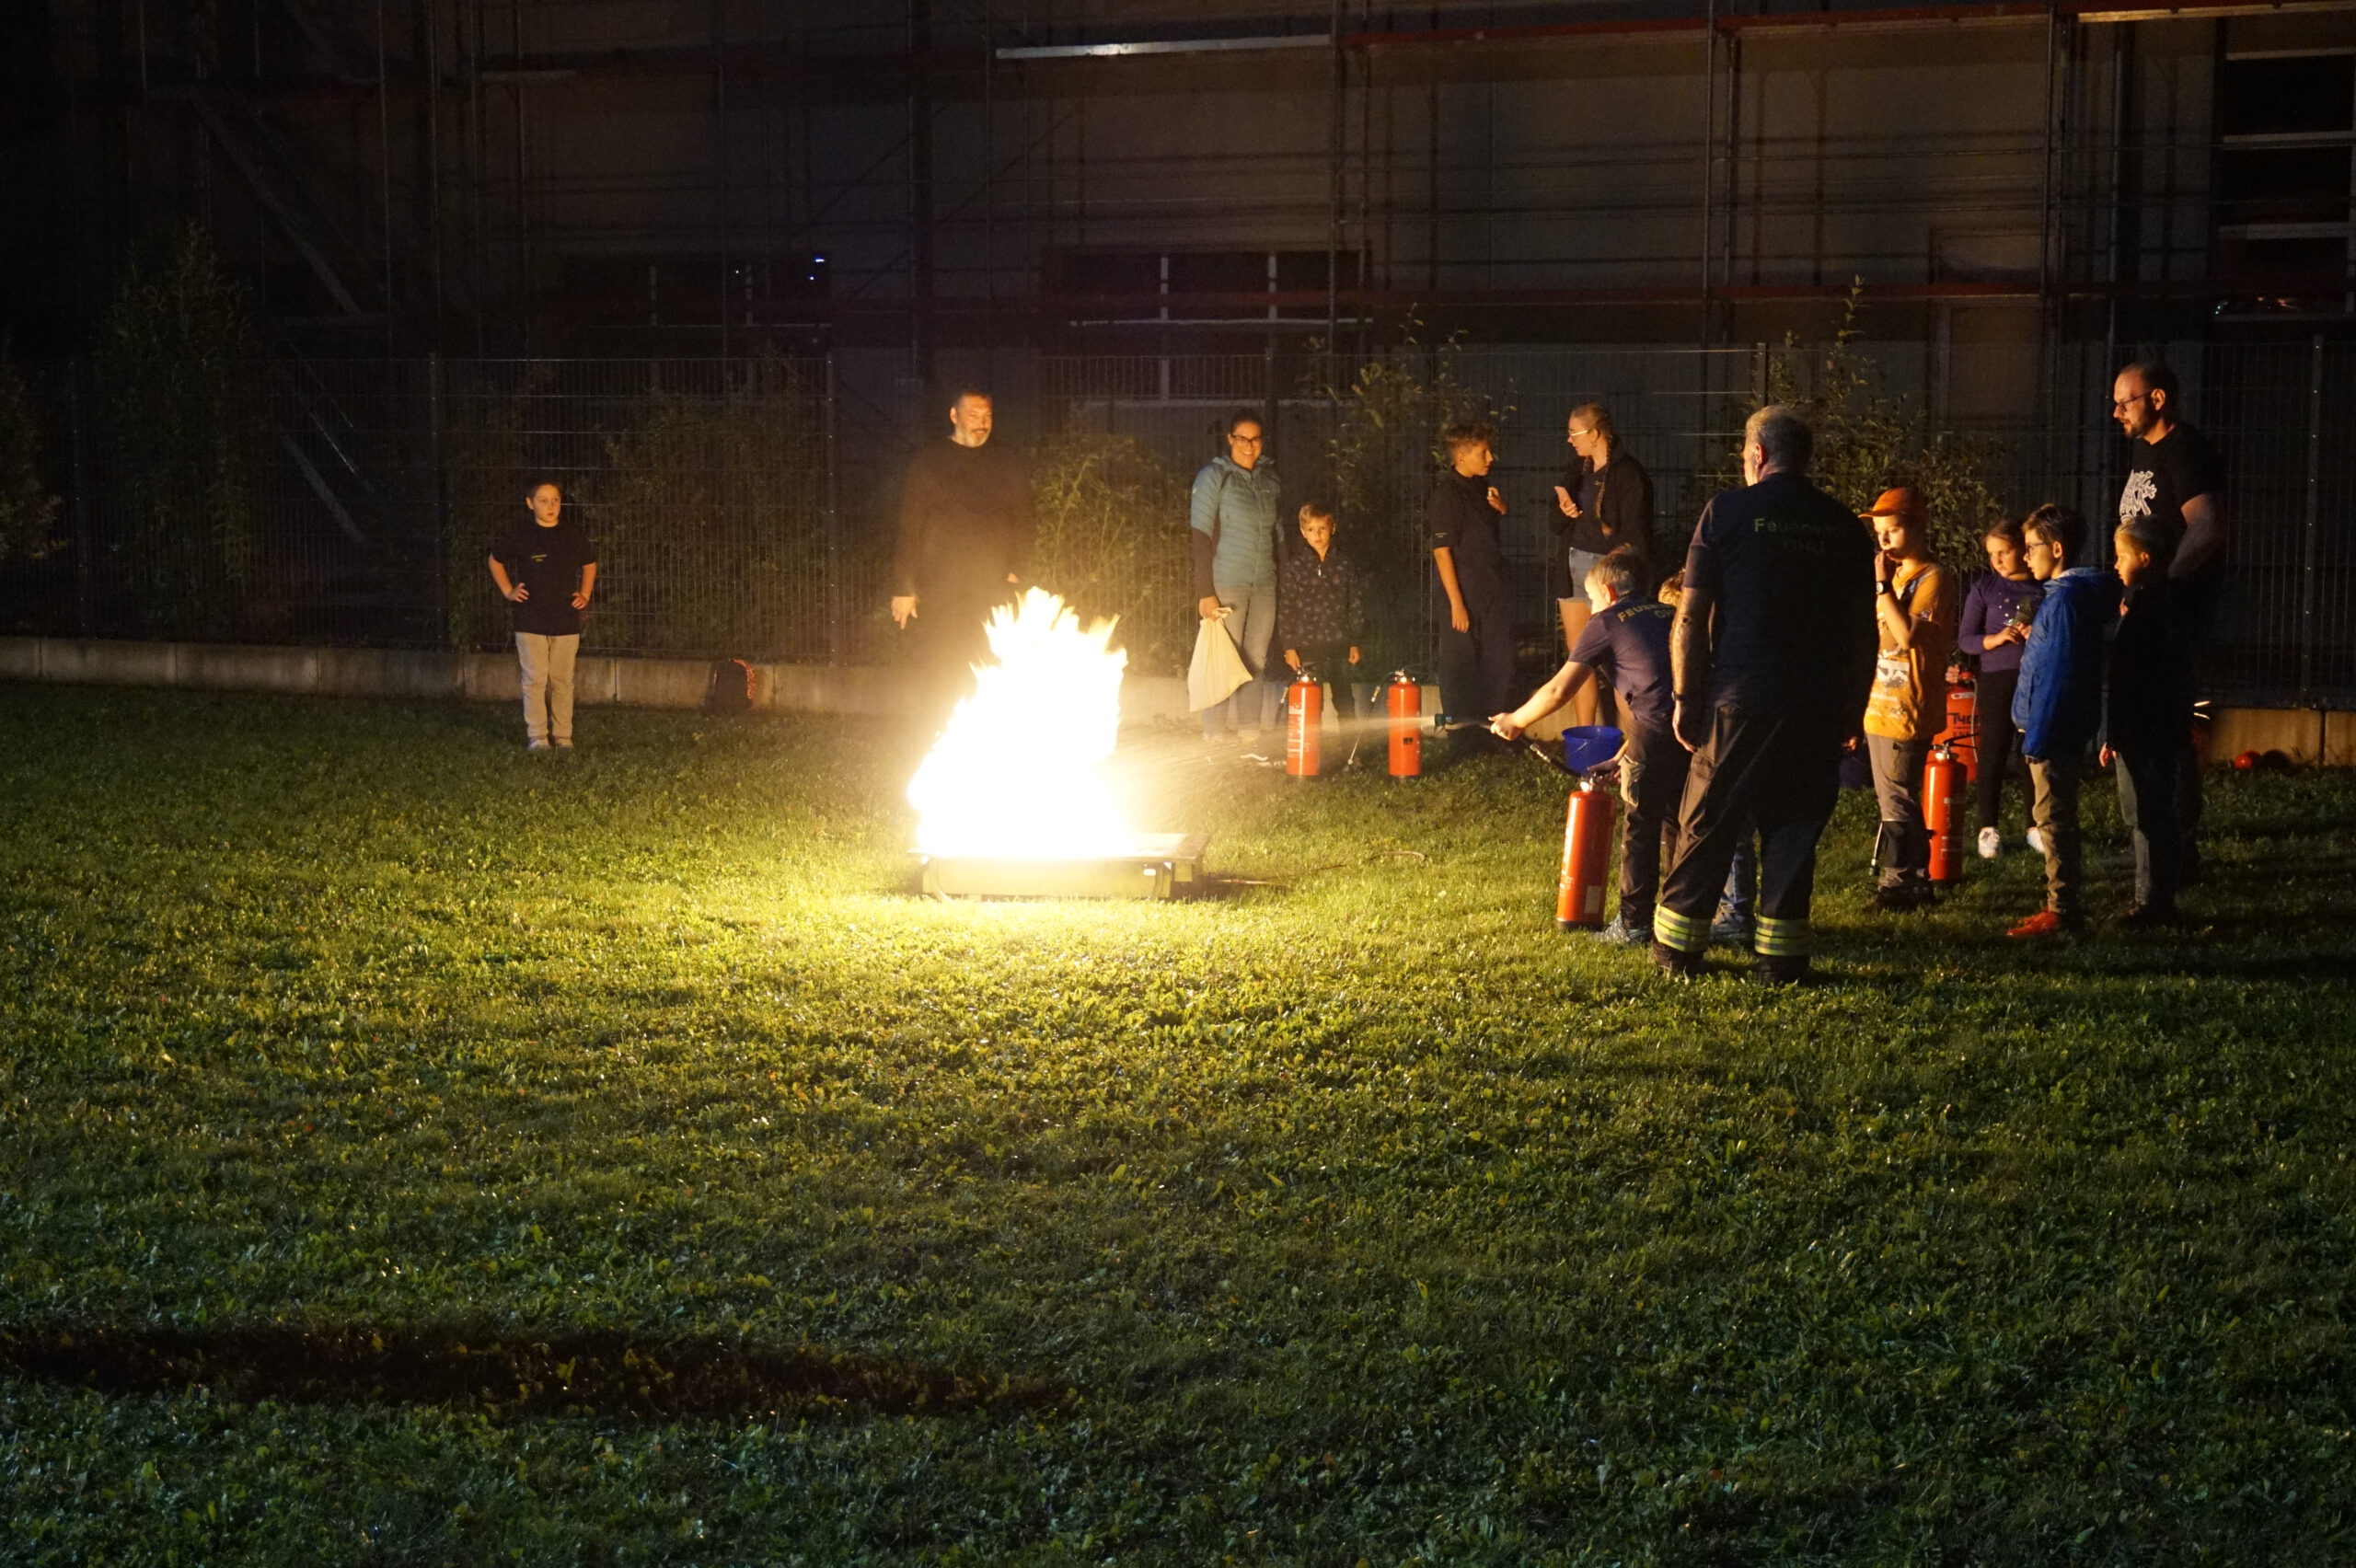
point(546, 563)
point(1792, 572)
point(1626, 643)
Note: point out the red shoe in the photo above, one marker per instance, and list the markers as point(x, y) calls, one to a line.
point(2044, 923)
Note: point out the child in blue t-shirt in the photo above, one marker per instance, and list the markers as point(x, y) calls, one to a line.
point(2058, 703)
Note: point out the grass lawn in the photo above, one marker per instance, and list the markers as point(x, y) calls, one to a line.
point(414, 1152)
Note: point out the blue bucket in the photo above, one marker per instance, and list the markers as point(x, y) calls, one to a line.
point(1589, 746)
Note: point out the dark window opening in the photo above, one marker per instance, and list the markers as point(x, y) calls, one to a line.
point(2281, 97)
point(2282, 184)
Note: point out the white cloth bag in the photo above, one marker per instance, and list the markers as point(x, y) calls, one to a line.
point(1217, 669)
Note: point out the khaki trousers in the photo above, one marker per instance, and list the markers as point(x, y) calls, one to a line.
point(2053, 812)
point(548, 683)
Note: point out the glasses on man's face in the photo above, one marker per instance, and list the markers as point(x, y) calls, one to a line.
point(2119, 403)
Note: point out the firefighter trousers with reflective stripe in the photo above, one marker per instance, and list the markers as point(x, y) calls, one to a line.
point(1778, 769)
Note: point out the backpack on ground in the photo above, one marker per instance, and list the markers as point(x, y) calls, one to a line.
point(732, 687)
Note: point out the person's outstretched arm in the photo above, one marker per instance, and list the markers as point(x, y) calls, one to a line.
point(1558, 691)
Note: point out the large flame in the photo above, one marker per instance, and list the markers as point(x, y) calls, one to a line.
point(1019, 774)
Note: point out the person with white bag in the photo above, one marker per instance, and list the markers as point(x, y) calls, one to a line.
point(1233, 512)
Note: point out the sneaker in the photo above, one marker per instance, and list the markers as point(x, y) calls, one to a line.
point(1731, 929)
point(535, 745)
point(1781, 972)
point(2151, 917)
point(1992, 843)
point(1619, 934)
point(1897, 898)
point(1675, 964)
point(564, 742)
point(2036, 842)
point(2046, 923)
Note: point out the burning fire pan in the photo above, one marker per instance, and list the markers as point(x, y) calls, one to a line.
point(1159, 865)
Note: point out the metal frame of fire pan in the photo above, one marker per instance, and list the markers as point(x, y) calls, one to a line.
point(1159, 865)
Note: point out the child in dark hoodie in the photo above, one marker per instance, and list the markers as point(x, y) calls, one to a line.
point(2058, 703)
point(1321, 608)
point(2147, 718)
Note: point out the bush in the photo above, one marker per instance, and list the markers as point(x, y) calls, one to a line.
point(1867, 441)
point(1385, 454)
point(180, 437)
point(1111, 541)
point(27, 511)
point(711, 529)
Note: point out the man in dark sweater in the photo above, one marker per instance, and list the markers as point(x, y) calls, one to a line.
point(547, 568)
point(1476, 652)
point(1772, 653)
point(965, 528)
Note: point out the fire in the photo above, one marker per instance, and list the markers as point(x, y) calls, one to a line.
point(1019, 773)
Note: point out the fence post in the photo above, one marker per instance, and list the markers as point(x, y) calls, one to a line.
point(835, 599)
point(2307, 549)
point(78, 480)
point(436, 424)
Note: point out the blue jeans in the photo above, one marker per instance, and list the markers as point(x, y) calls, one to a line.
point(1251, 623)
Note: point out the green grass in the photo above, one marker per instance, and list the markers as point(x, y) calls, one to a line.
point(1362, 1217)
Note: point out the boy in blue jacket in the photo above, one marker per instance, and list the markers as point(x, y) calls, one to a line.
point(2058, 704)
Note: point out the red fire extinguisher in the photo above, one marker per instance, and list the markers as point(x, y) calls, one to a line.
point(1304, 713)
point(1961, 735)
point(1586, 858)
point(1403, 699)
point(1944, 777)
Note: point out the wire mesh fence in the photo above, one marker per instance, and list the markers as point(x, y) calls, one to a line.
point(354, 501)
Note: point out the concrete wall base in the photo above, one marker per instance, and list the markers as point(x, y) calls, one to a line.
point(600, 680)
point(2309, 737)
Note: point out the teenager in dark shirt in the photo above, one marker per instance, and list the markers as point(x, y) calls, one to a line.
point(1321, 608)
point(1996, 616)
point(1476, 652)
point(965, 527)
point(1625, 642)
point(547, 568)
point(2147, 719)
point(1772, 652)
point(2174, 478)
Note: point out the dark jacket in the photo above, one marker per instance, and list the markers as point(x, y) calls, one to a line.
point(965, 521)
point(1622, 516)
point(1320, 604)
point(2148, 698)
point(2058, 704)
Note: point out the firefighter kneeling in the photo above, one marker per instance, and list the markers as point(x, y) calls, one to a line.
point(1772, 653)
point(1625, 642)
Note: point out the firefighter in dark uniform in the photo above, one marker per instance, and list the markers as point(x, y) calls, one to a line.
point(1476, 653)
point(1772, 656)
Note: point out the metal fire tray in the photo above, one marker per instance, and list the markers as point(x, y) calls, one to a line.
point(1159, 865)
